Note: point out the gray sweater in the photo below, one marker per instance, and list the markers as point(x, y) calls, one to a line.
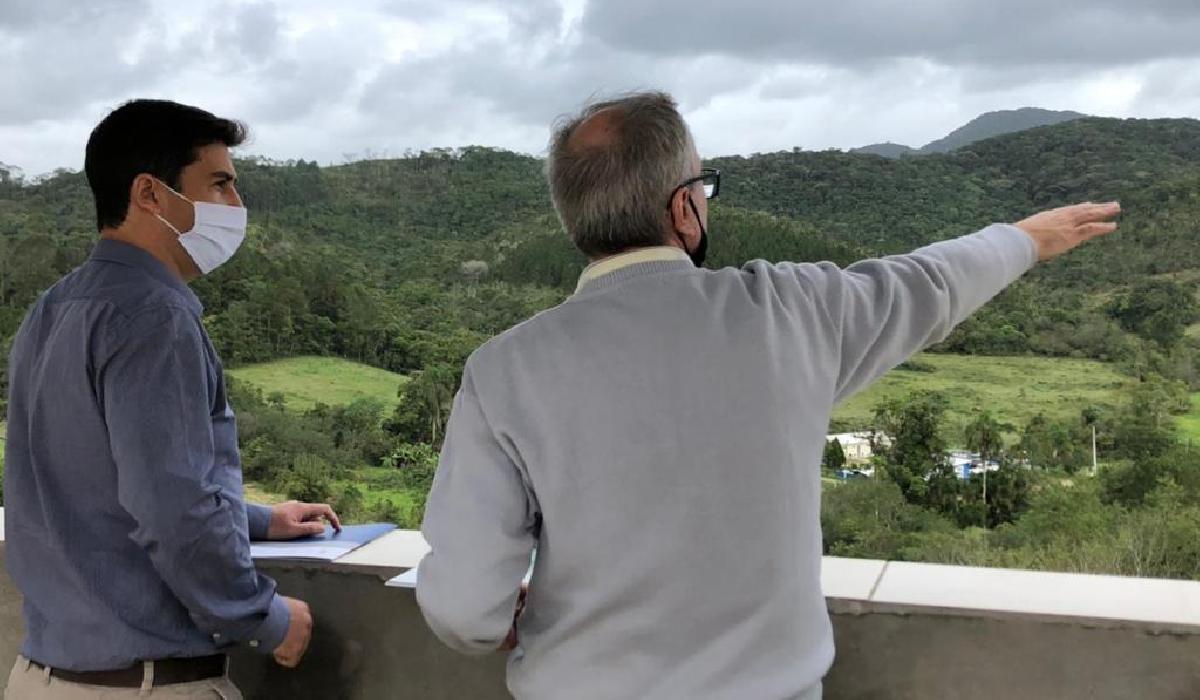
point(657, 438)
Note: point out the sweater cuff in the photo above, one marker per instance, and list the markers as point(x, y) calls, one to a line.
point(258, 521)
point(1019, 237)
point(270, 634)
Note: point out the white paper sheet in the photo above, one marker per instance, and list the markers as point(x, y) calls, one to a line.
point(408, 579)
point(326, 547)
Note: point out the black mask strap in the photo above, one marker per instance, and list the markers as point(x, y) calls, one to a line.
point(701, 252)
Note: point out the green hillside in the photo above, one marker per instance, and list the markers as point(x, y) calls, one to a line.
point(991, 124)
point(1013, 389)
point(307, 381)
point(405, 266)
point(984, 126)
point(1189, 424)
point(410, 264)
point(893, 205)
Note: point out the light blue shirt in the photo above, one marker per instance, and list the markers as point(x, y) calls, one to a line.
point(125, 525)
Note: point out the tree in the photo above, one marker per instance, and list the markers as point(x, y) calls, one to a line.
point(1062, 445)
point(1156, 309)
point(309, 480)
point(425, 404)
point(1159, 540)
point(1143, 425)
point(386, 511)
point(1037, 443)
point(997, 498)
point(870, 518)
point(348, 502)
point(985, 436)
point(1129, 483)
point(834, 458)
point(916, 457)
point(356, 428)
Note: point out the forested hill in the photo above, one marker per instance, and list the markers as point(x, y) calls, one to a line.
point(895, 204)
point(982, 127)
point(412, 262)
point(991, 124)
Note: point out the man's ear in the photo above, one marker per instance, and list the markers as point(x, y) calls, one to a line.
point(681, 213)
point(143, 195)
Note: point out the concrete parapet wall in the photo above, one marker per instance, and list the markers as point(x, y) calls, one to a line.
point(904, 631)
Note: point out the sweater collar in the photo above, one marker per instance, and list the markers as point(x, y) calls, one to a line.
point(609, 265)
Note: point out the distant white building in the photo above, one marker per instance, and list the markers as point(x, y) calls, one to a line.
point(967, 463)
point(856, 446)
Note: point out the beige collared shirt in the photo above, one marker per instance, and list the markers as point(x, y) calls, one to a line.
point(600, 268)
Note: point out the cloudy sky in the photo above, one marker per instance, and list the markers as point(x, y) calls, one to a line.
point(369, 78)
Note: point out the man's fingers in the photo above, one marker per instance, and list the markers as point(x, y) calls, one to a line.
point(331, 516)
point(1088, 212)
point(1101, 212)
point(1076, 213)
point(322, 510)
point(1098, 228)
point(314, 527)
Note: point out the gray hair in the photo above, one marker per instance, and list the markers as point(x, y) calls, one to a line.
point(611, 191)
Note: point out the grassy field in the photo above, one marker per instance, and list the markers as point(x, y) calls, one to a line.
point(378, 483)
point(304, 381)
point(1189, 425)
point(1014, 389)
point(255, 493)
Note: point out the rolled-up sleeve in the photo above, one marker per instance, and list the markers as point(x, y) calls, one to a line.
point(479, 523)
point(258, 521)
point(157, 407)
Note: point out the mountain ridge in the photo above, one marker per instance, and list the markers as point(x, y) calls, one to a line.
point(986, 125)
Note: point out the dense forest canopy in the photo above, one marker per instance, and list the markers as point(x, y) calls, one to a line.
point(407, 262)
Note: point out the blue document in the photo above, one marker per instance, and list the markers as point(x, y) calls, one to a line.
point(324, 547)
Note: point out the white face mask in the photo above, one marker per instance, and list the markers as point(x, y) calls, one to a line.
point(217, 233)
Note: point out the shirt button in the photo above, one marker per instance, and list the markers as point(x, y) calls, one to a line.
point(253, 643)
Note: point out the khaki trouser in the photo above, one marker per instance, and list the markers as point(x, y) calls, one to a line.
point(28, 682)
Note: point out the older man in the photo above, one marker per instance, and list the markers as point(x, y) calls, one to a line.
point(656, 438)
point(126, 529)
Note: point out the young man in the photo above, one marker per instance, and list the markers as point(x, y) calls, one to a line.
point(126, 529)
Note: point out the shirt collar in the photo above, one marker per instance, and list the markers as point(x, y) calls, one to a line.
point(609, 265)
point(129, 255)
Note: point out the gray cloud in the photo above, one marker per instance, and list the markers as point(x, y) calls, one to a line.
point(856, 32)
point(21, 15)
point(59, 56)
point(538, 78)
point(525, 16)
point(253, 34)
point(315, 80)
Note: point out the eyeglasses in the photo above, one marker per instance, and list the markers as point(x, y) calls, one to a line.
point(711, 177)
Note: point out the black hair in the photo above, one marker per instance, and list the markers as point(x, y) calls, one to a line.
point(157, 137)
